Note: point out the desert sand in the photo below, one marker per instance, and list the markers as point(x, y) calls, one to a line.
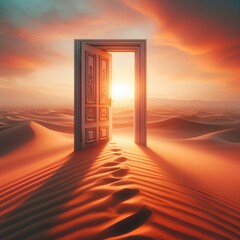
point(184, 185)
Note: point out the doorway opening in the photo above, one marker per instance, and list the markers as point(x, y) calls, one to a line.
point(92, 99)
point(123, 93)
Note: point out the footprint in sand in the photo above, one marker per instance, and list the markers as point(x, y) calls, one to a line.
point(128, 224)
point(120, 159)
point(110, 164)
point(117, 154)
point(121, 172)
point(116, 150)
point(117, 175)
point(108, 180)
point(137, 237)
point(125, 194)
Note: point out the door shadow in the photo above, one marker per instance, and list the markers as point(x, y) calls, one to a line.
point(40, 212)
point(178, 176)
point(188, 185)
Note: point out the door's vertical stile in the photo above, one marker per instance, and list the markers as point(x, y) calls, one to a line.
point(77, 95)
point(110, 97)
point(90, 111)
point(137, 96)
point(97, 84)
point(104, 109)
point(83, 55)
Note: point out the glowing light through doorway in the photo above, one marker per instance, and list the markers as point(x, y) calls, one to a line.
point(121, 90)
point(122, 76)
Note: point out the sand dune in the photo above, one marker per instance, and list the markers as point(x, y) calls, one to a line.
point(170, 190)
point(25, 144)
point(64, 127)
point(182, 128)
point(228, 135)
point(15, 136)
point(182, 124)
point(58, 121)
point(82, 195)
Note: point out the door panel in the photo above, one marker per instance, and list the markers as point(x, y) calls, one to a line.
point(104, 93)
point(96, 125)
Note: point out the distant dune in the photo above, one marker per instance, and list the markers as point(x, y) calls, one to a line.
point(15, 136)
point(181, 128)
point(198, 105)
point(229, 135)
point(184, 125)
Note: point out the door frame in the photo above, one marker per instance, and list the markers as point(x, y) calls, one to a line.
point(139, 47)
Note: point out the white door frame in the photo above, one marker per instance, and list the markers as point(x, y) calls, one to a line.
point(140, 107)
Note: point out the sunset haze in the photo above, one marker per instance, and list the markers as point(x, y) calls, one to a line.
point(192, 46)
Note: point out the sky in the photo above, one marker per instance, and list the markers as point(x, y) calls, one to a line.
point(193, 47)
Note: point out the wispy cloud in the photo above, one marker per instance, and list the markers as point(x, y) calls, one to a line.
point(188, 41)
point(208, 30)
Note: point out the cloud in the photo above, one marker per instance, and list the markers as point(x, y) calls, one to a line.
point(201, 24)
point(188, 41)
point(35, 34)
point(208, 30)
point(228, 58)
point(30, 32)
point(23, 52)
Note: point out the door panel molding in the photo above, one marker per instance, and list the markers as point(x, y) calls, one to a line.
point(138, 46)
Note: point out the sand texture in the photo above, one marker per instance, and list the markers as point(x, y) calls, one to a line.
point(184, 185)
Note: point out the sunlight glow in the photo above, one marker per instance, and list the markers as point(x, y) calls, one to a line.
point(122, 76)
point(121, 90)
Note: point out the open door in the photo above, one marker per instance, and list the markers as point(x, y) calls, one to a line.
point(92, 111)
point(94, 118)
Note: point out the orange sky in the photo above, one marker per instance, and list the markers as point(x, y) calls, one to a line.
point(193, 46)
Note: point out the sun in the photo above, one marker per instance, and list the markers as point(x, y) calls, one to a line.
point(121, 91)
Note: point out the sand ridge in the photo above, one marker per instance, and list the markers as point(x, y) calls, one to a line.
point(82, 191)
point(118, 190)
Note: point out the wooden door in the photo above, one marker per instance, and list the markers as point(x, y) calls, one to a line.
point(95, 102)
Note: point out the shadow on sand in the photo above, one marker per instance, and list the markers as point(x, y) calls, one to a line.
point(40, 212)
